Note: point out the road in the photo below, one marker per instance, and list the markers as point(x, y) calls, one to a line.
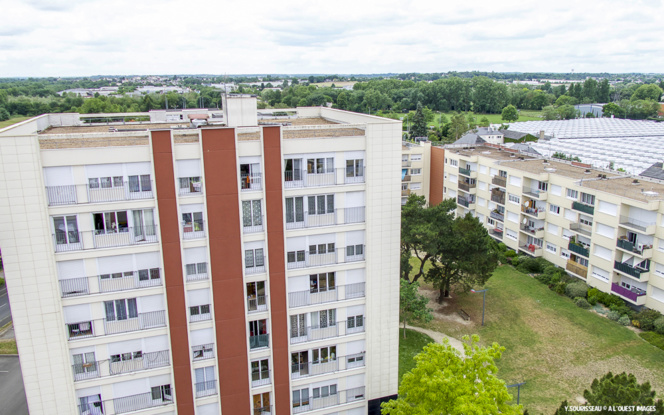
point(5, 313)
point(12, 394)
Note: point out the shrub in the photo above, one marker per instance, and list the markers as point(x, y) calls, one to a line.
point(560, 288)
point(592, 299)
point(655, 339)
point(581, 302)
point(613, 315)
point(624, 320)
point(576, 289)
point(551, 270)
point(623, 310)
point(530, 266)
point(510, 253)
point(515, 262)
point(502, 247)
point(659, 325)
point(543, 278)
point(646, 319)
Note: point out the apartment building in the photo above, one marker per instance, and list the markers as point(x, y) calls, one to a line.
point(415, 169)
point(605, 228)
point(157, 268)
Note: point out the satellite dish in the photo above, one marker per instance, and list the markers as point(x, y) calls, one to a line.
point(525, 221)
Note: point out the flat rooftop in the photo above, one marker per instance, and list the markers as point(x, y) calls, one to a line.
point(83, 129)
point(489, 152)
point(297, 121)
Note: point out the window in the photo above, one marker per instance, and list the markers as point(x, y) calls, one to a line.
point(298, 324)
point(324, 391)
point(162, 393)
point(143, 183)
point(354, 250)
point(250, 176)
point(292, 170)
point(125, 357)
point(262, 404)
point(324, 318)
point(258, 336)
point(502, 173)
point(295, 256)
point(256, 296)
point(294, 209)
point(324, 355)
point(320, 165)
point(514, 199)
point(321, 249)
point(564, 253)
point(355, 360)
point(105, 182)
point(355, 168)
point(490, 221)
point(542, 186)
point(582, 261)
point(454, 162)
point(415, 172)
point(120, 309)
point(199, 312)
point(551, 247)
point(251, 213)
point(415, 157)
point(91, 405)
point(260, 372)
point(196, 271)
point(585, 221)
point(587, 199)
point(203, 351)
point(253, 259)
point(192, 222)
point(554, 209)
point(84, 365)
point(110, 222)
point(66, 230)
point(300, 397)
point(320, 205)
point(205, 381)
point(572, 194)
point(319, 283)
point(355, 323)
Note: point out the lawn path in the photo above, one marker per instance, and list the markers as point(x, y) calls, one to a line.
point(438, 337)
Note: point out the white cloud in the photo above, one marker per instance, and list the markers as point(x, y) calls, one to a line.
point(88, 37)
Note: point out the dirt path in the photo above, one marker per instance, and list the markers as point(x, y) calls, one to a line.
point(438, 337)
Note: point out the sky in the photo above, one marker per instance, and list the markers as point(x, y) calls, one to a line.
point(41, 38)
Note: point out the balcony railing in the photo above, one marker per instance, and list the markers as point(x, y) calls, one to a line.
point(465, 172)
point(466, 186)
point(193, 318)
point(538, 232)
point(531, 249)
point(330, 177)
point(76, 241)
point(313, 333)
point(255, 226)
point(405, 192)
point(499, 181)
point(582, 207)
point(340, 216)
point(259, 340)
point(496, 232)
point(249, 182)
point(405, 163)
point(535, 212)
point(82, 193)
point(142, 401)
point(497, 216)
point(207, 388)
point(641, 250)
point(191, 188)
point(647, 227)
point(336, 364)
point(406, 178)
point(578, 249)
point(102, 327)
point(581, 228)
point(341, 397)
point(145, 361)
point(629, 269)
point(202, 352)
point(632, 295)
point(577, 268)
point(123, 281)
point(193, 230)
point(465, 202)
point(316, 260)
point(534, 193)
point(498, 198)
point(260, 378)
point(256, 269)
point(337, 293)
point(264, 410)
point(257, 304)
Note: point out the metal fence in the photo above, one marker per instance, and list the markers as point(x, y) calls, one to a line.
point(110, 367)
point(339, 216)
point(102, 327)
point(338, 398)
point(83, 193)
point(312, 333)
point(336, 293)
point(75, 241)
point(303, 259)
point(122, 281)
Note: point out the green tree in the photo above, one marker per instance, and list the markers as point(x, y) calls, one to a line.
point(412, 305)
point(463, 255)
point(567, 112)
point(612, 109)
point(4, 114)
point(510, 114)
point(611, 391)
point(550, 113)
point(649, 91)
point(484, 122)
point(590, 87)
point(443, 382)
point(603, 91)
point(458, 126)
point(419, 128)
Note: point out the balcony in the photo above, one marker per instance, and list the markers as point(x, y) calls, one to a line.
point(256, 226)
point(306, 369)
point(635, 295)
point(643, 251)
point(496, 233)
point(581, 228)
point(531, 249)
point(499, 181)
point(303, 259)
point(159, 396)
point(102, 327)
point(251, 182)
point(259, 340)
point(193, 230)
point(202, 352)
point(256, 304)
point(406, 178)
point(467, 203)
point(534, 193)
point(300, 178)
point(144, 361)
point(405, 163)
point(498, 197)
point(338, 398)
point(326, 295)
point(341, 216)
point(468, 172)
point(533, 231)
point(405, 192)
point(313, 333)
point(497, 216)
point(260, 378)
point(467, 187)
point(121, 281)
point(190, 186)
point(644, 227)
point(81, 193)
point(582, 207)
point(632, 271)
point(206, 388)
point(537, 213)
point(578, 249)
point(576, 268)
point(66, 241)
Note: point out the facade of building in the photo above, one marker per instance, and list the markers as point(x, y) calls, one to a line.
point(415, 169)
point(602, 227)
point(222, 270)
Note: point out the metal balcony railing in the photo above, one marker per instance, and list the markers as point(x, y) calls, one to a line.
point(644, 226)
point(340, 216)
point(313, 333)
point(499, 181)
point(76, 241)
point(83, 193)
point(257, 304)
point(303, 259)
point(102, 327)
point(110, 367)
point(249, 182)
point(259, 340)
point(206, 388)
point(202, 352)
point(329, 177)
point(632, 294)
point(193, 230)
point(582, 207)
point(338, 398)
point(629, 269)
point(192, 188)
point(143, 401)
point(319, 296)
point(497, 216)
point(121, 281)
point(332, 364)
point(260, 378)
point(254, 225)
point(578, 249)
point(255, 269)
point(465, 172)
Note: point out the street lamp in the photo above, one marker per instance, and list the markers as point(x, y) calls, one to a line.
point(483, 300)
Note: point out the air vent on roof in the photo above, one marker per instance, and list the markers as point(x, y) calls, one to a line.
point(512, 155)
point(545, 162)
point(550, 169)
point(635, 182)
point(587, 171)
point(486, 152)
point(521, 158)
point(604, 176)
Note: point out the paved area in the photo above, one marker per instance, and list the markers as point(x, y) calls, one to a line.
point(438, 337)
point(12, 394)
point(8, 333)
point(5, 313)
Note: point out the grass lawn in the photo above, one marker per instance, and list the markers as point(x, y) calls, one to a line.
point(13, 120)
point(8, 347)
point(409, 347)
point(554, 346)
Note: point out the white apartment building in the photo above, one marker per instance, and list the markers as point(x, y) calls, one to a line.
point(156, 268)
point(604, 228)
point(415, 169)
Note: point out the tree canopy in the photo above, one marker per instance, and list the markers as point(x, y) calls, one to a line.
point(419, 123)
point(412, 305)
point(510, 114)
point(444, 382)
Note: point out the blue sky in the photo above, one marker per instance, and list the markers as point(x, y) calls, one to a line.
point(92, 37)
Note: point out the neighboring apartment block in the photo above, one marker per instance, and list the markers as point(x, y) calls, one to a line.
point(167, 269)
point(415, 169)
point(602, 227)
